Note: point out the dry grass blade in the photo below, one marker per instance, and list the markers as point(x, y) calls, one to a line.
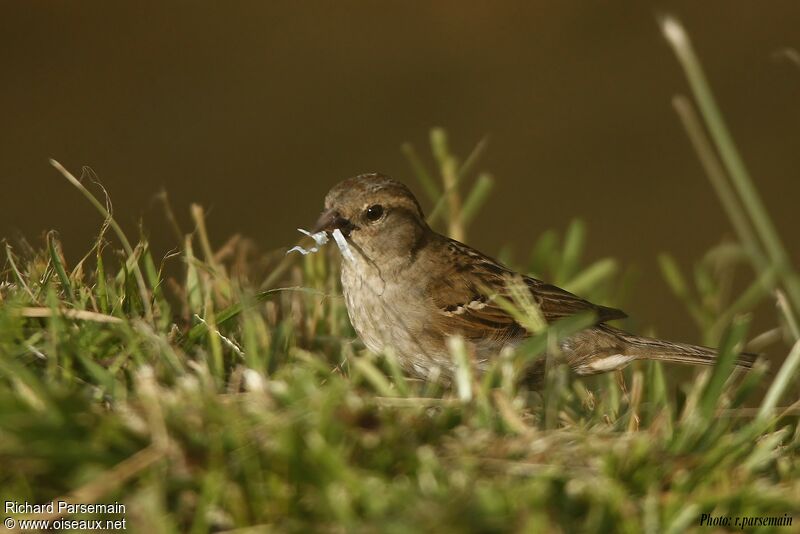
point(106, 482)
point(144, 294)
point(81, 315)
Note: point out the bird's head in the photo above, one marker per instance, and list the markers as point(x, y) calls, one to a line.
point(377, 214)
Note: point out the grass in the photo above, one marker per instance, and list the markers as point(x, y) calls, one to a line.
point(214, 402)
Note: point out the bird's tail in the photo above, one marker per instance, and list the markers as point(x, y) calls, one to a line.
point(605, 348)
point(649, 348)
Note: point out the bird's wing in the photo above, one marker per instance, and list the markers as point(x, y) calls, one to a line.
point(466, 297)
point(556, 303)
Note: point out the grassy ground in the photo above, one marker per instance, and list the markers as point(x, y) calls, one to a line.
point(237, 398)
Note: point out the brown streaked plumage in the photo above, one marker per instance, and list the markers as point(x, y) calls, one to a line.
point(410, 288)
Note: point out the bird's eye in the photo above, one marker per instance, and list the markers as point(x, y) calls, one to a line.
point(374, 212)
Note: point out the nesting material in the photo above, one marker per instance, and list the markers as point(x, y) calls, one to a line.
point(321, 238)
point(343, 246)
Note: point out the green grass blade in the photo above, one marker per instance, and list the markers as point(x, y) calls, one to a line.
point(421, 172)
point(477, 198)
point(740, 177)
point(719, 180)
point(728, 353)
point(57, 260)
point(17, 274)
point(574, 242)
point(592, 276)
point(786, 377)
point(101, 284)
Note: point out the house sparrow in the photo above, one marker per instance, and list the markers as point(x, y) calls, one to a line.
point(410, 288)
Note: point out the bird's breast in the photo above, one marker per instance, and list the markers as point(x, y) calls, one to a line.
point(363, 295)
point(390, 311)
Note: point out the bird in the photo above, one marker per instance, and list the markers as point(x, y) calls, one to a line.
point(409, 289)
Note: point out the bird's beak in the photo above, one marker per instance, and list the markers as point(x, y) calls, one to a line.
point(331, 220)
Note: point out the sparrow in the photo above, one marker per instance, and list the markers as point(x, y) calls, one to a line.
point(408, 288)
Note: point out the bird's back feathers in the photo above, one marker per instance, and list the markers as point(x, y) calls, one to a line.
point(466, 299)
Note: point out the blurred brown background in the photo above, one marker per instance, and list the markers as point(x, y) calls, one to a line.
point(254, 109)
